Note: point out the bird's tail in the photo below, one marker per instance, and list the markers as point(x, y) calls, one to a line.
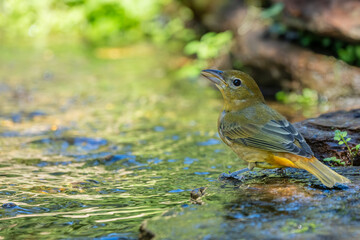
point(327, 176)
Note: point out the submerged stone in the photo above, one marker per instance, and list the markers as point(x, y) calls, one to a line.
point(267, 205)
point(9, 205)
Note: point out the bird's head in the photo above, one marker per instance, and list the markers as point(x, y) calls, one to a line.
point(238, 88)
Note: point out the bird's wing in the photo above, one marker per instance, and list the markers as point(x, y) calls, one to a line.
point(275, 136)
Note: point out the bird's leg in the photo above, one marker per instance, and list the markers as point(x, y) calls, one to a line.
point(236, 173)
point(281, 171)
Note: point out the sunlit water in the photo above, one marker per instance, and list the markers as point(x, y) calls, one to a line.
point(92, 143)
point(92, 146)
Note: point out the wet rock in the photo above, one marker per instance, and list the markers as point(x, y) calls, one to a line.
point(196, 195)
point(335, 18)
point(319, 133)
point(145, 234)
point(22, 116)
point(9, 205)
point(268, 206)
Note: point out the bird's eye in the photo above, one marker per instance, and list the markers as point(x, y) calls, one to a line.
point(237, 82)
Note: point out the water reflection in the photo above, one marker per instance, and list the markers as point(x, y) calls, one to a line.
point(107, 144)
point(90, 158)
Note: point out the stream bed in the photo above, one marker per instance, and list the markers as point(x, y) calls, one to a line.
point(93, 144)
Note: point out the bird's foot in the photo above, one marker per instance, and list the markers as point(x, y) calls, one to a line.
point(231, 175)
point(282, 172)
point(234, 175)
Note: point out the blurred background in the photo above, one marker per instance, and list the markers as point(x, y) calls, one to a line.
point(101, 102)
point(300, 52)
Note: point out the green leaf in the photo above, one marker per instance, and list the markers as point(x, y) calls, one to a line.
point(326, 42)
point(306, 40)
point(348, 139)
point(273, 11)
point(335, 160)
point(192, 47)
point(344, 134)
point(347, 54)
point(357, 51)
point(337, 135)
point(341, 142)
point(281, 96)
point(330, 159)
point(338, 44)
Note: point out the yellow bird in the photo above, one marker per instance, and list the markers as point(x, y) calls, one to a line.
point(258, 134)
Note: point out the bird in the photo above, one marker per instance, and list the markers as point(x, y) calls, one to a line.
point(258, 134)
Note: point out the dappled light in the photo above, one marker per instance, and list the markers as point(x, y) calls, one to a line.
point(109, 131)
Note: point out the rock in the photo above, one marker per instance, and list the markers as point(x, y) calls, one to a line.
point(296, 67)
point(334, 18)
point(268, 206)
point(9, 205)
point(277, 64)
point(197, 194)
point(319, 133)
point(145, 234)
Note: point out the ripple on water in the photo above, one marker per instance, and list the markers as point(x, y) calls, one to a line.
point(176, 191)
point(115, 161)
point(209, 142)
point(9, 205)
point(190, 161)
point(159, 129)
point(22, 116)
point(69, 184)
point(201, 173)
point(78, 144)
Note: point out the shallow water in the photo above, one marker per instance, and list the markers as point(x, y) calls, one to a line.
point(267, 205)
point(92, 146)
point(92, 143)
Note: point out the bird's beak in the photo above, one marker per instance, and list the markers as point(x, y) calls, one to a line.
point(215, 76)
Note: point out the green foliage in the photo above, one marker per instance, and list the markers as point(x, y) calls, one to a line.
point(38, 19)
point(345, 51)
point(340, 136)
point(306, 40)
point(342, 139)
point(210, 45)
point(308, 97)
point(325, 42)
point(357, 148)
point(347, 54)
point(334, 160)
point(109, 22)
point(273, 11)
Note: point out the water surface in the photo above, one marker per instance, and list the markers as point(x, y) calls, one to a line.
point(91, 145)
point(94, 142)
